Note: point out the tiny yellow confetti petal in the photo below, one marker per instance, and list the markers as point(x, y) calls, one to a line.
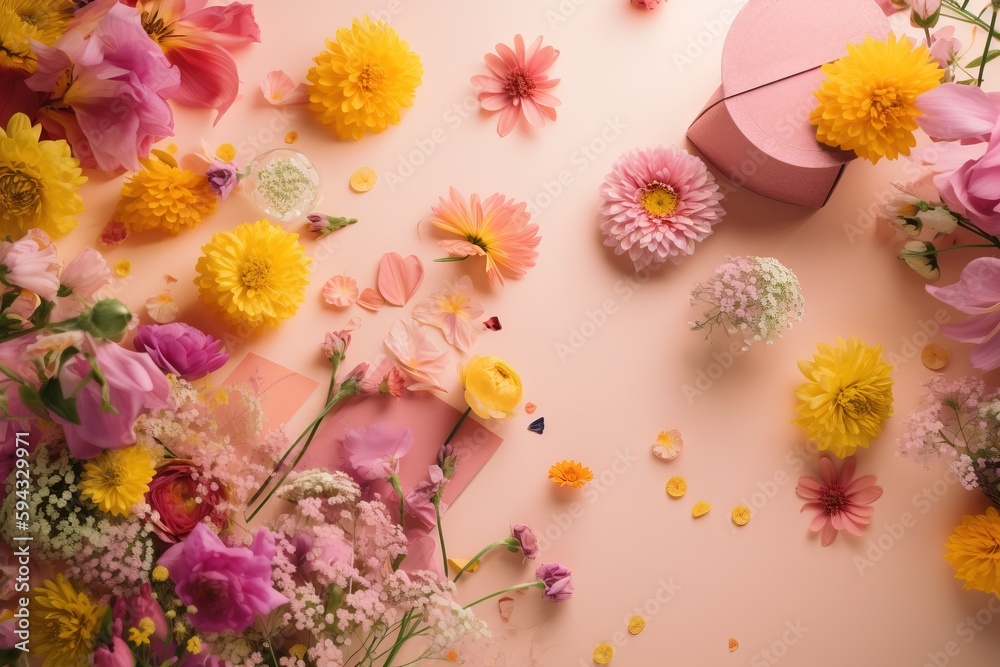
point(291, 137)
point(123, 267)
point(701, 508)
point(165, 157)
point(676, 487)
point(172, 149)
point(603, 654)
point(733, 644)
point(458, 563)
point(741, 515)
point(935, 356)
point(363, 179)
point(636, 625)
point(226, 152)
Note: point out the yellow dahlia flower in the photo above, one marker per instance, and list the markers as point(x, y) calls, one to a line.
point(117, 479)
point(847, 396)
point(974, 551)
point(492, 387)
point(255, 275)
point(867, 103)
point(363, 79)
point(38, 181)
point(163, 196)
point(22, 21)
point(64, 624)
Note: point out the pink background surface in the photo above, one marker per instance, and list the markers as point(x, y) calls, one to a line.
point(607, 357)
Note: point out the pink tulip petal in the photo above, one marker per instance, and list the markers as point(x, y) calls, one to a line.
point(209, 77)
point(953, 112)
point(399, 278)
point(231, 25)
point(371, 300)
point(279, 89)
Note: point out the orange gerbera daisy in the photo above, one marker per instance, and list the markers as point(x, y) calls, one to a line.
point(570, 473)
point(497, 228)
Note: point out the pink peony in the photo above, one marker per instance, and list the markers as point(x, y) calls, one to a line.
point(977, 294)
point(840, 501)
point(134, 383)
point(374, 452)
point(229, 586)
point(183, 497)
point(31, 263)
point(518, 85)
point(181, 349)
point(109, 88)
point(658, 203)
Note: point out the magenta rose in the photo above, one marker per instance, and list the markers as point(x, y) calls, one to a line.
point(229, 586)
point(174, 494)
point(181, 349)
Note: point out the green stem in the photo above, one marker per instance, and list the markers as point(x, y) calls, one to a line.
point(482, 552)
point(11, 374)
point(954, 247)
point(458, 425)
point(398, 489)
point(986, 51)
point(964, 15)
point(444, 549)
point(400, 639)
point(531, 584)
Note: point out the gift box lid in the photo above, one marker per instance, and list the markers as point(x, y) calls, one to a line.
point(771, 66)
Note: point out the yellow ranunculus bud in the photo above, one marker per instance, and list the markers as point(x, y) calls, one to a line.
point(492, 388)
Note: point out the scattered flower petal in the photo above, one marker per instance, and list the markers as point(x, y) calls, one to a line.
point(417, 357)
point(279, 89)
point(493, 324)
point(457, 564)
point(701, 508)
point(371, 300)
point(340, 291)
point(740, 515)
point(677, 487)
point(162, 308)
point(537, 426)
point(291, 137)
point(363, 179)
point(399, 278)
point(530, 408)
point(123, 268)
point(453, 310)
point(668, 445)
point(603, 654)
point(506, 608)
point(114, 234)
point(636, 624)
point(733, 645)
point(935, 356)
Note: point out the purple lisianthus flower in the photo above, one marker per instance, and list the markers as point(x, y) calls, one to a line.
point(229, 586)
point(526, 539)
point(222, 177)
point(558, 582)
point(181, 349)
point(374, 452)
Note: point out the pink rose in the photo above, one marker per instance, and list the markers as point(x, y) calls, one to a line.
point(173, 495)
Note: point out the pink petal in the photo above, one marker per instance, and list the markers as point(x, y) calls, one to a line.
point(231, 25)
point(461, 248)
point(953, 112)
point(340, 291)
point(508, 119)
point(829, 535)
point(208, 76)
point(398, 278)
point(819, 521)
point(847, 473)
point(978, 288)
point(827, 470)
point(506, 607)
point(279, 89)
point(371, 300)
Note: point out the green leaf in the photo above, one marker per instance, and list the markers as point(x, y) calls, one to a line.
point(52, 396)
point(32, 400)
point(966, 82)
point(333, 224)
point(979, 61)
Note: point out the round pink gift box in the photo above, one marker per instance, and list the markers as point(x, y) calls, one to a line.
point(756, 128)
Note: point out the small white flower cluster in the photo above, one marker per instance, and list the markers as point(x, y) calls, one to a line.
point(336, 487)
point(756, 297)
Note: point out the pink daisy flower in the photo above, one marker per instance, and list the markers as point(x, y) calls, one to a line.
point(658, 202)
point(455, 312)
point(517, 84)
point(841, 502)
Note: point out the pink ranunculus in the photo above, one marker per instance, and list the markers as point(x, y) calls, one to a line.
point(558, 582)
point(229, 586)
point(135, 384)
point(977, 293)
point(31, 263)
point(374, 452)
point(180, 504)
point(112, 85)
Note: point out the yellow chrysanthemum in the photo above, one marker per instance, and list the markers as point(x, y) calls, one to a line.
point(363, 79)
point(974, 552)
point(570, 473)
point(255, 275)
point(847, 397)
point(867, 103)
point(117, 479)
point(164, 196)
point(64, 623)
point(38, 181)
point(22, 21)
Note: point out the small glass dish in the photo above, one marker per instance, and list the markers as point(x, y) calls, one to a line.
point(283, 183)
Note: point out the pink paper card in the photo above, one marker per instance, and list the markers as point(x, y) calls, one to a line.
point(282, 391)
point(429, 419)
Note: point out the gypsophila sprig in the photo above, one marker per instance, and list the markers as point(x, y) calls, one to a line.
point(755, 297)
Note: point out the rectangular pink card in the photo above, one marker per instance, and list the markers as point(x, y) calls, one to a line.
point(429, 419)
point(282, 391)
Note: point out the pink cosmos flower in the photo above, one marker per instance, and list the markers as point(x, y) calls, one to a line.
point(31, 263)
point(518, 85)
point(197, 39)
point(454, 311)
point(658, 203)
point(840, 501)
point(279, 89)
point(374, 452)
point(418, 501)
point(135, 384)
point(109, 91)
point(408, 344)
point(229, 586)
point(977, 293)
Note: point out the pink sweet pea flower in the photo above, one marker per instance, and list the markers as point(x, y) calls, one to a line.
point(945, 49)
point(109, 91)
point(31, 263)
point(374, 452)
point(419, 501)
point(977, 293)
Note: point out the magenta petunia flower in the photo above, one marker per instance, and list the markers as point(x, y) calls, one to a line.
point(229, 586)
point(558, 582)
point(840, 501)
point(658, 203)
point(518, 85)
point(374, 452)
point(977, 294)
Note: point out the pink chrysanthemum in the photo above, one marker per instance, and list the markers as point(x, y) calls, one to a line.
point(517, 84)
point(658, 202)
point(840, 501)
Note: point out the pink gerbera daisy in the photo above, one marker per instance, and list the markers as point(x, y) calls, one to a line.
point(841, 502)
point(518, 85)
point(658, 202)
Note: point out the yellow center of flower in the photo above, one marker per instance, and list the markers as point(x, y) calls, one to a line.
point(155, 27)
point(256, 273)
point(885, 104)
point(370, 77)
point(856, 403)
point(115, 474)
point(519, 84)
point(570, 475)
point(659, 200)
point(20, 194)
